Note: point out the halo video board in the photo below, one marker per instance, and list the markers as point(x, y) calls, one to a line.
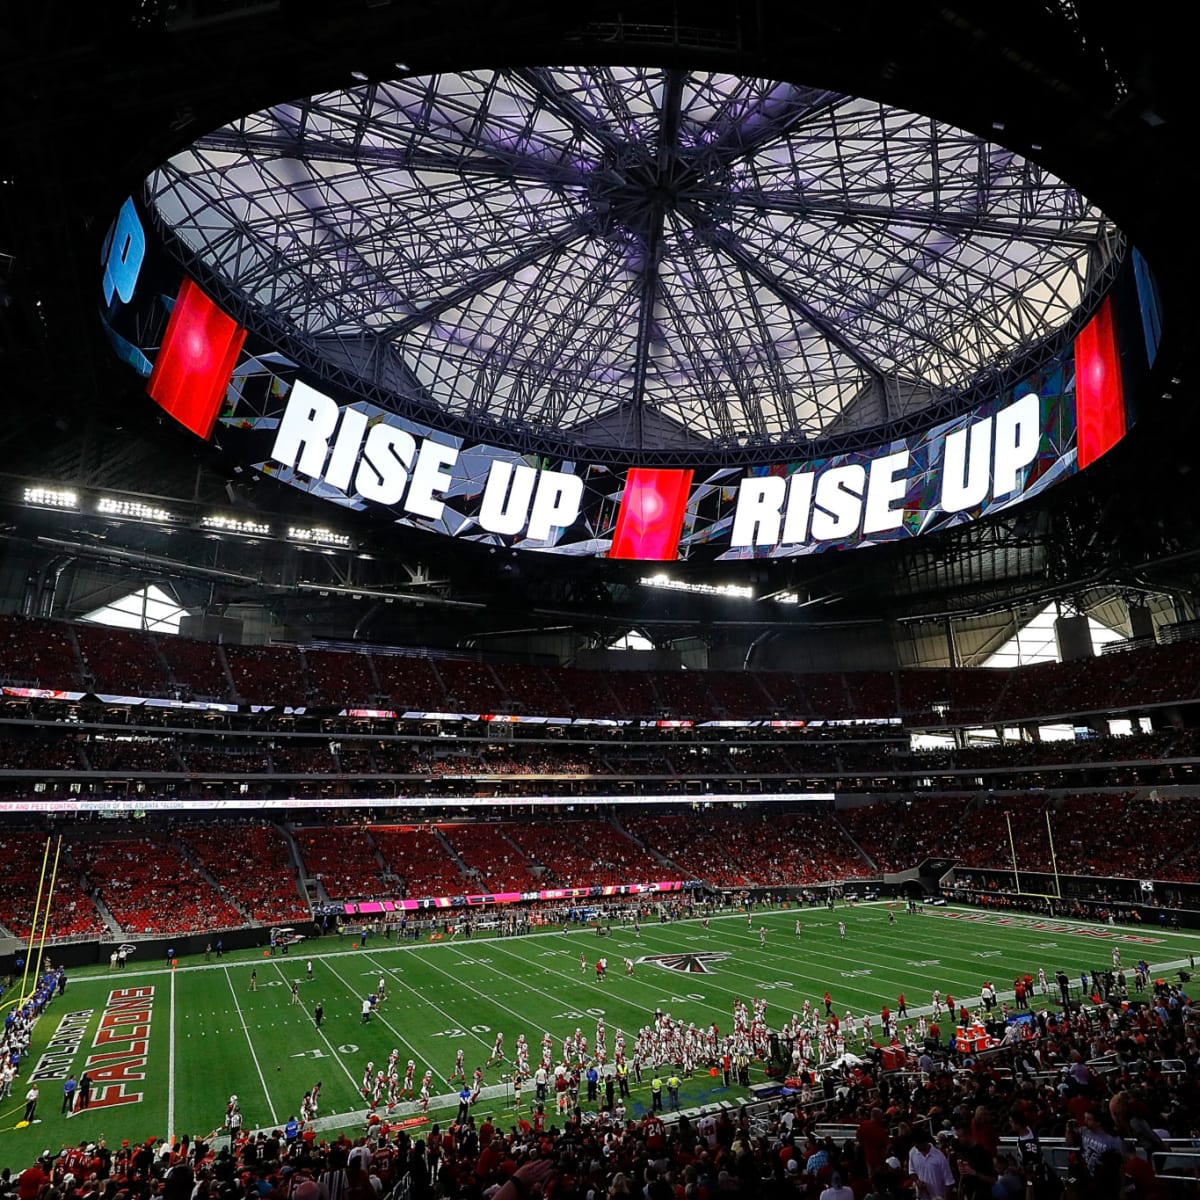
point(264, 412)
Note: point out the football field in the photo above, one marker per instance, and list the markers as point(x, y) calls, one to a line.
point(165, 1048)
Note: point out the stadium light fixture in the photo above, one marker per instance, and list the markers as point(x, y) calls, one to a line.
point(132, 510)
point(317, 536)
point(737, 591)
point(220, 524)
point(48, 497)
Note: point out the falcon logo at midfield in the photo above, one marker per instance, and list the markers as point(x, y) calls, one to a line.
point(689, 964)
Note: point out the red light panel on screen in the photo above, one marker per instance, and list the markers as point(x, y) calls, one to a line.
point(1099, 391)
point(651, 516)
point(196, 360)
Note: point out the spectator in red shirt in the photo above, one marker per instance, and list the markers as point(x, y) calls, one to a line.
point(31, 1181)
point(873, 1137)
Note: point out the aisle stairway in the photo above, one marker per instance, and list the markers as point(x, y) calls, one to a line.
point(676, 870)
point(105, 912)
point(851, 839)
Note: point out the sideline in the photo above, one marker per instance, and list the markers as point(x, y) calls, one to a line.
point(171, 1066)
point(253, 1052)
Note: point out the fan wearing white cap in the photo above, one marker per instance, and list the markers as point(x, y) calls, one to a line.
point(836, 1189)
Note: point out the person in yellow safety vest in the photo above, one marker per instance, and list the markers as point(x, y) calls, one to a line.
point(673, 1091)
point(656, 1093)
point(622, 1079)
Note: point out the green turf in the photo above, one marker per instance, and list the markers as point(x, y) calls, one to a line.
point(211, 1036)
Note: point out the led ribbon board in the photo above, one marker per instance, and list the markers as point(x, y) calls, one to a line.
point(264, 412)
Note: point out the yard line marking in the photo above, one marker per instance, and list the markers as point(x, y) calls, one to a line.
point(1170, 938)
point(723, 982)
point(461, 983)
point(171, 1067)
point(711, 982)
point(253, 1054)
point(830, 958)
point(379, 1013)
point(336, 1121)
point(616, 996)
point(817, 954)
point(321, 1033)
point(454, 1021)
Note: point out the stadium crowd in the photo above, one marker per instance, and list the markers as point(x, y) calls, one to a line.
point(119, 884)
point(33, 748)
point(75, 657)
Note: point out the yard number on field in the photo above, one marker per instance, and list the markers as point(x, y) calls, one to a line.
point(344, 1048)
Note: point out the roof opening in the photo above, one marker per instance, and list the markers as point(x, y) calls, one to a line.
point(151, 608)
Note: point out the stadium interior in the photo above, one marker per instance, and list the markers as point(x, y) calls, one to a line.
point(205, 664)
